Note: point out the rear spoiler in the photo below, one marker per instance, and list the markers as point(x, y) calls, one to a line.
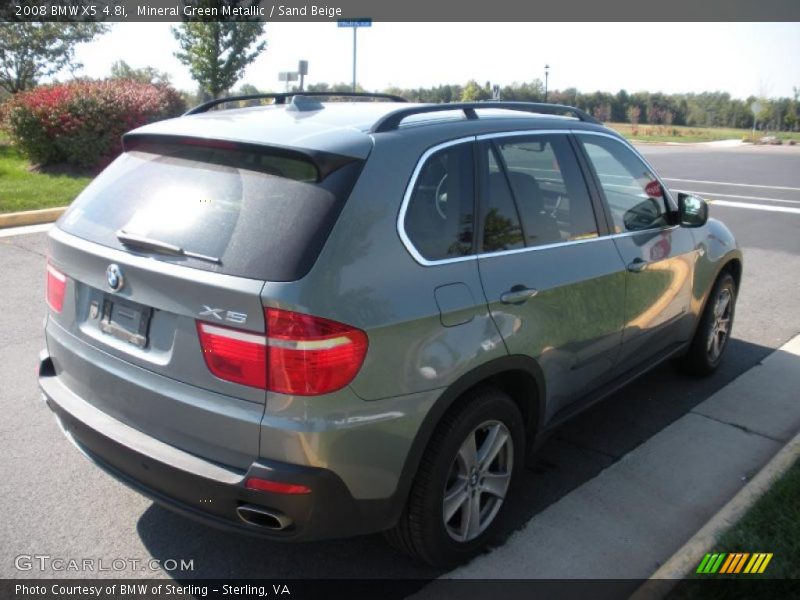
point(324, 163)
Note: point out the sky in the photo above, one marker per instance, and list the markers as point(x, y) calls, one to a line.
point(744, 59)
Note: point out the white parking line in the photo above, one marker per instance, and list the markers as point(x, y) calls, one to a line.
point(12, 231)
point(715, 194)
point(767, 207)
point(752, 185)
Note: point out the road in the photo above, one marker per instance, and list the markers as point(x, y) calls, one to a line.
point(56, 503)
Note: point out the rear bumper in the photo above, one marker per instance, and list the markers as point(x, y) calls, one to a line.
point(207, 491)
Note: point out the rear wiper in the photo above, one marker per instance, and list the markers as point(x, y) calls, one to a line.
point(140, 241)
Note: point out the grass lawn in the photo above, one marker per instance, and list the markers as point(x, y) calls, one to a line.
point(22, 190)
point(771, 525)
point(680, 133)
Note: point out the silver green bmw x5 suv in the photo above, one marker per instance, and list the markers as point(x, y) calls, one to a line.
point(307, 320)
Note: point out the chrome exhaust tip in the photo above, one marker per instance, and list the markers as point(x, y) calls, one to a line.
point(263, 517)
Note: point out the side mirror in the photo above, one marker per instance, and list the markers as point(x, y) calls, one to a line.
point(692, 210)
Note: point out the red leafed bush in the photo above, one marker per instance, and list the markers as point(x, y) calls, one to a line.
point(81, 122)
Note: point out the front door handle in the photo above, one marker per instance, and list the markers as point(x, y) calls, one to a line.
point(637, 265)
point(517, 295)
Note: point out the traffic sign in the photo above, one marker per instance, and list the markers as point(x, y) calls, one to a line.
point(355, 22)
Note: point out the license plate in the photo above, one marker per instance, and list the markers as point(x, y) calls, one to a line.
point(126, 321)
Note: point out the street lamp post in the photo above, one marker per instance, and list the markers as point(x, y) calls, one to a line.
point(546, 74)
point(355, 42)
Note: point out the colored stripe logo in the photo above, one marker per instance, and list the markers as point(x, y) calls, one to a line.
point(734, 563)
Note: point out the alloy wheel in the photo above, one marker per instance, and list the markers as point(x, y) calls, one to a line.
point(721, 324)
point(478, 481)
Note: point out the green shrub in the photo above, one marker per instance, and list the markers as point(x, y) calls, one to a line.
point(82, 122)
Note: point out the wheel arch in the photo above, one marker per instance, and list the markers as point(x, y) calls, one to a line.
point(518, 376)
point(733, 265)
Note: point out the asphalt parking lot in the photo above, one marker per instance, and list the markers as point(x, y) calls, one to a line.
point(56, 503)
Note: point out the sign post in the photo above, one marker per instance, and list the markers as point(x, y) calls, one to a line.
point(302, 70)
point(287, 76)
point(355, 24)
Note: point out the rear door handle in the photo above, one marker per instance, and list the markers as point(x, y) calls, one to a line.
point(517, 295)
point(637, 265)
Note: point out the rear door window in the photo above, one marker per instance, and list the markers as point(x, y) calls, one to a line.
point(439, 217)
point(501, 225)
point(261, 214)
point(549, 188)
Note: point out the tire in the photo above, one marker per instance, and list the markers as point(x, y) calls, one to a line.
point(447, 468)
point(705, 354)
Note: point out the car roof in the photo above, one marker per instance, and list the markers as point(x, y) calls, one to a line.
point(346, 127)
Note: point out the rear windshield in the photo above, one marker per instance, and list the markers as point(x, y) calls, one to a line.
point(264, 215)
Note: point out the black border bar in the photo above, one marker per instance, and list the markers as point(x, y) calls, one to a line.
point(415, 11)
point(385, 589)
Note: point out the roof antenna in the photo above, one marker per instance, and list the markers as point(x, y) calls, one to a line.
point(302, 103)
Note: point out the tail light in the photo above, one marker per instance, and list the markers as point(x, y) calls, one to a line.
point(234, 355)
point(56, 286)
point(300, 354)
point(309, 355)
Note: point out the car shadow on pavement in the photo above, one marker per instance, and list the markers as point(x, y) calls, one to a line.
point(574, 453)
point(221, 554)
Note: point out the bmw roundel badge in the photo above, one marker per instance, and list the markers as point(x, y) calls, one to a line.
point(114, 277)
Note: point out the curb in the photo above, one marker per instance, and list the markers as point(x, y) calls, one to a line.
point(689, 555)
point(30, 217)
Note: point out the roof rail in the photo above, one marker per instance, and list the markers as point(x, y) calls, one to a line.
point(280, 98)
point(392, 120)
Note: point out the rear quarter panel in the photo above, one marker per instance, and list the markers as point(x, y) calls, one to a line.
point(366, 277)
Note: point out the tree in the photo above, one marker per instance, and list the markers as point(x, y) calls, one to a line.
point(633, 114)
point(473, 91)
point(30, 51)
point(766, 114)
point(122, 70)
point(619, 107)
point(524, 92)
point(602, 112)
point(247, 89)
point(792, 118)
point(324, 87)
point(217, 53)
